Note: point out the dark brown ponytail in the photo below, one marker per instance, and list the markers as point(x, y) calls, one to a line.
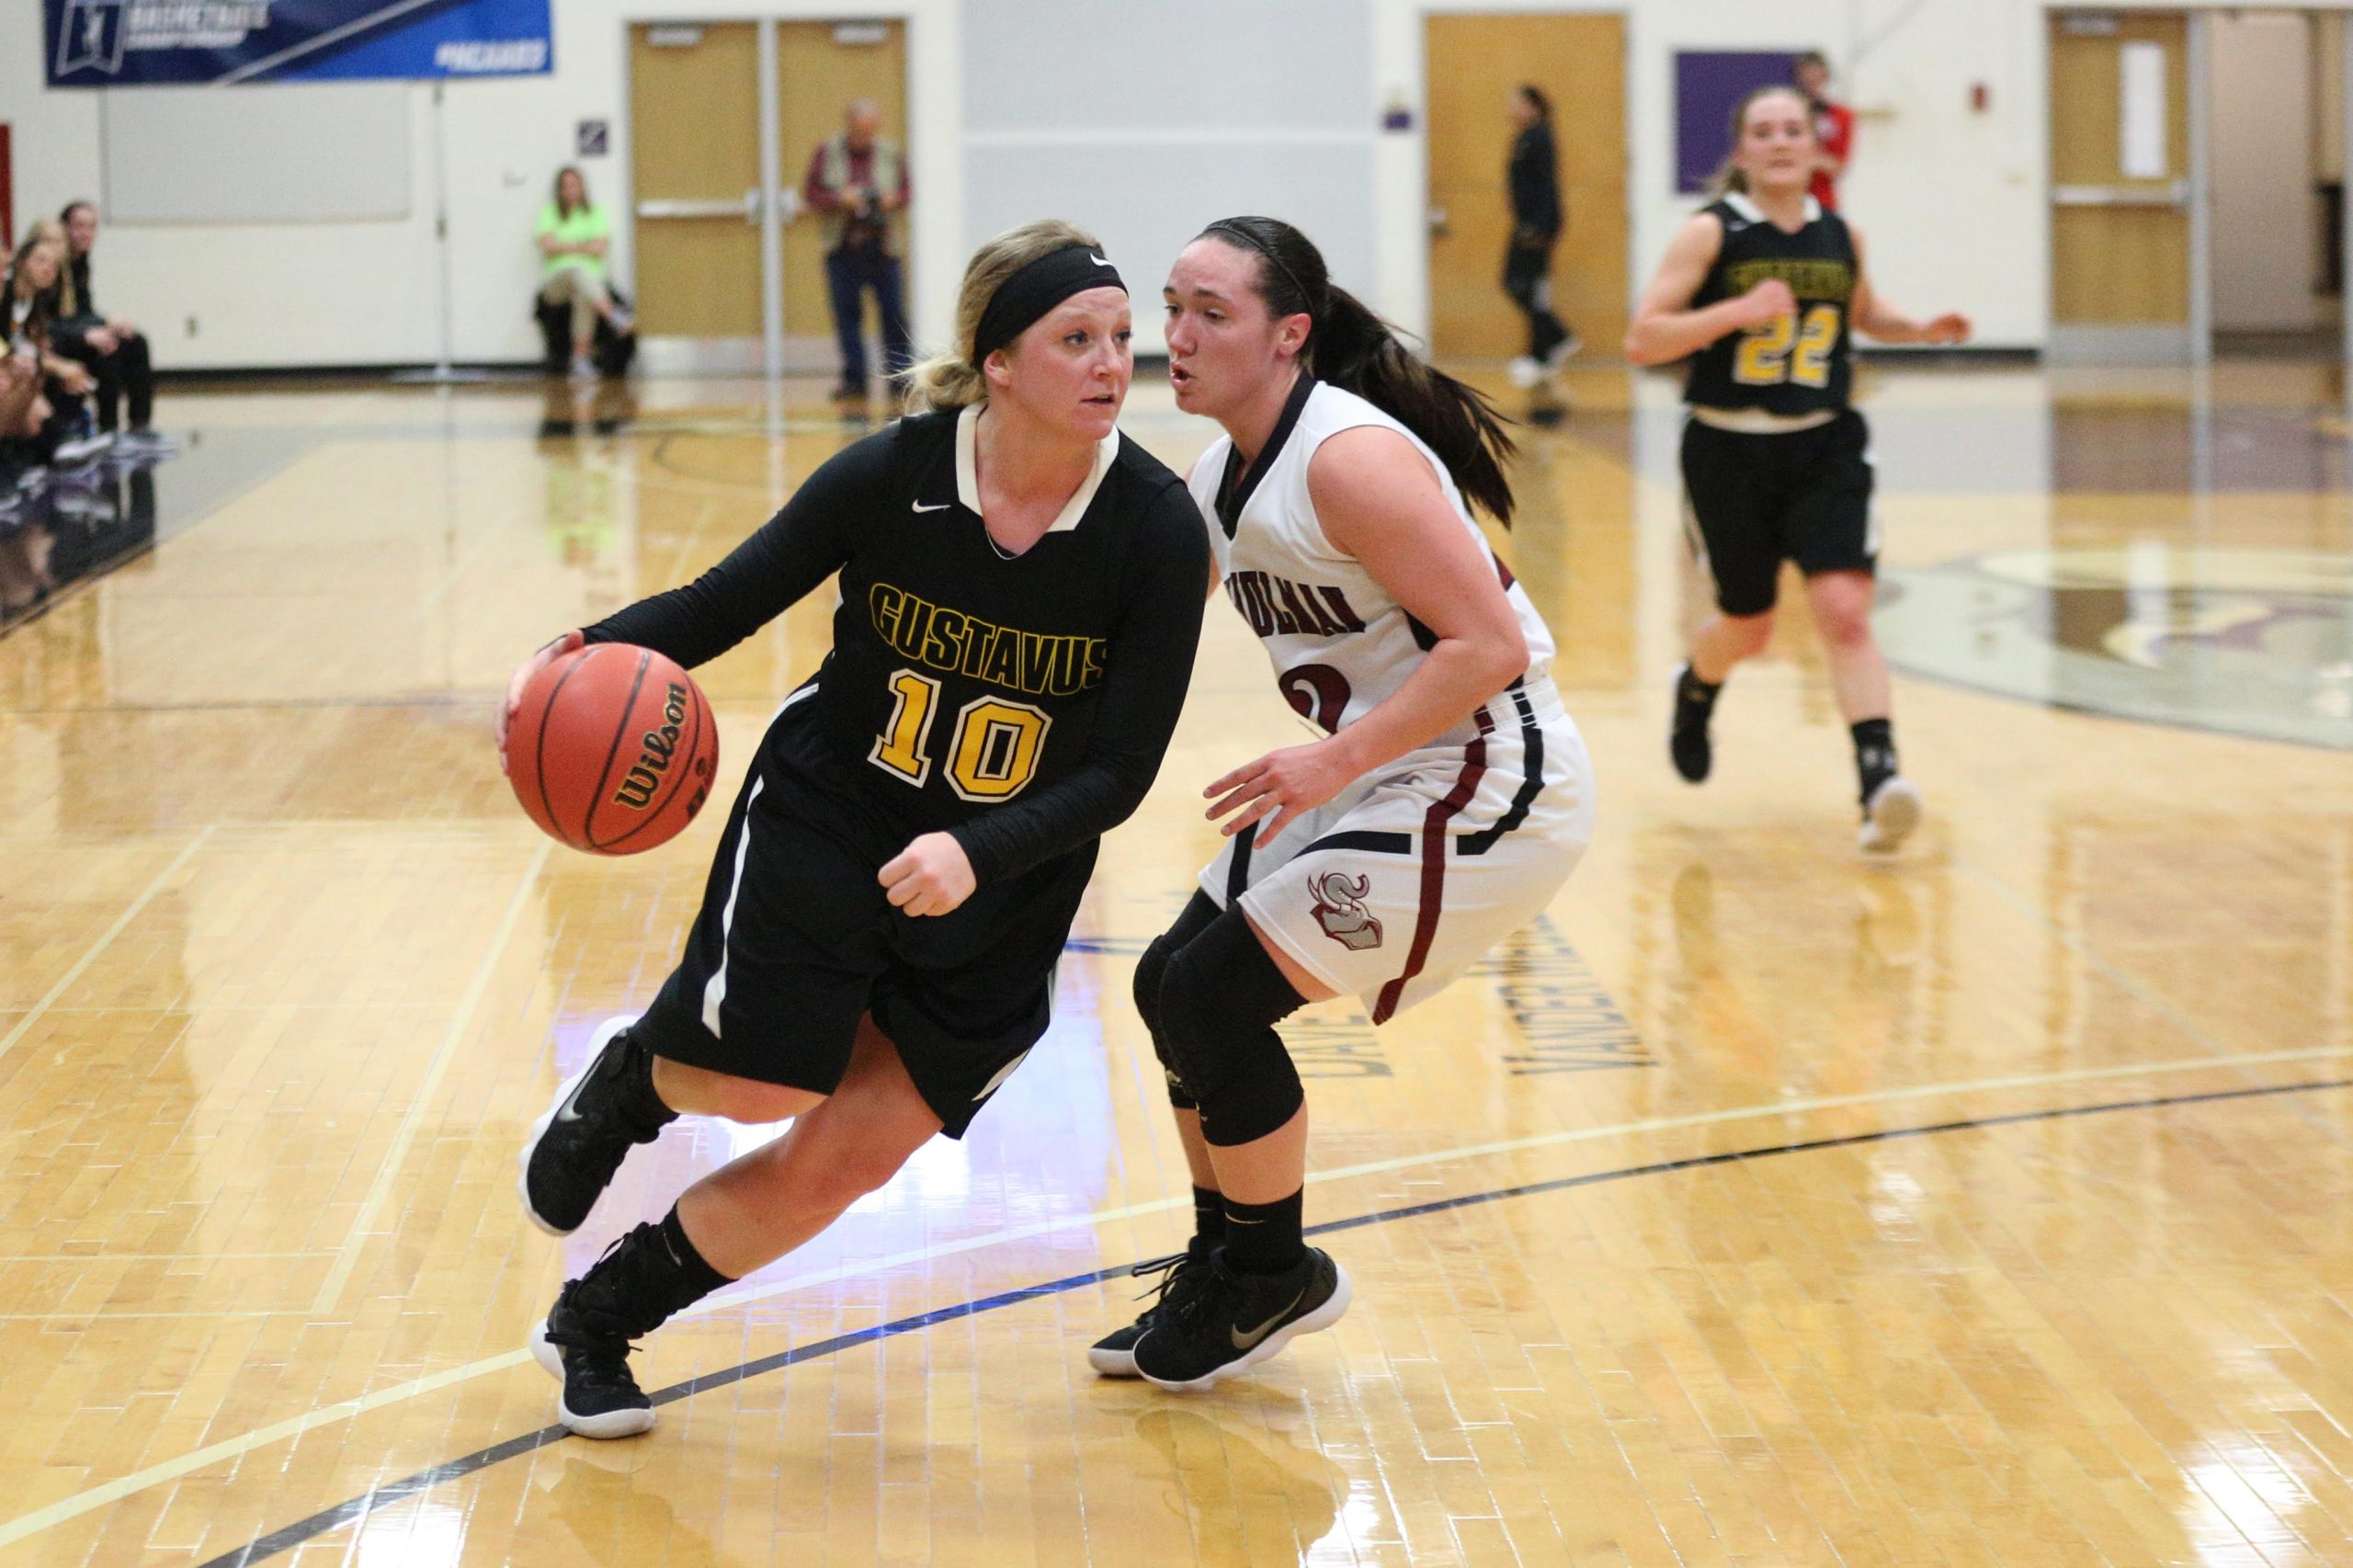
point(1357, 351)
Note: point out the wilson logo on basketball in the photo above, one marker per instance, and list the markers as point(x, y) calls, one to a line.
point(659, 747)
point(1339, 909)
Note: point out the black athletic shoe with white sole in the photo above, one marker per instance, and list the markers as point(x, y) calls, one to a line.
point(575, 1147)
point(1889, 815)
point(585, 1347)
point(1114, 1355)
point(1688, 742)
point(1230, 1321)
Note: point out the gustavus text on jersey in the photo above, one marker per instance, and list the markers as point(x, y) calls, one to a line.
point(1036, 662)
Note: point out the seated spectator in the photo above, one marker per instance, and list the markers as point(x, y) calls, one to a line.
point(111, 348)
point(23, 412)
point(573, 234)
point(66, 432)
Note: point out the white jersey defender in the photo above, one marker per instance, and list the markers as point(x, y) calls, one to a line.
point(1412, 873)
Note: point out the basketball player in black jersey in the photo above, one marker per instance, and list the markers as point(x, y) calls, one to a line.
point(1763, 289)
point(1021, 597)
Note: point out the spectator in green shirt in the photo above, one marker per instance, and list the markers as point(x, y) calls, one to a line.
point(573, 232)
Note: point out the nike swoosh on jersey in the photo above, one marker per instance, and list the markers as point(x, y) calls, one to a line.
point(1249, 1340)
point(935, 507)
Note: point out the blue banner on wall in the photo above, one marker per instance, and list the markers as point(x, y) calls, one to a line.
point(129, 43)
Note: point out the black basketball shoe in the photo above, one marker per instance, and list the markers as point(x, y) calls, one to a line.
point(584, 1342)
point(575, 1147)
point(1231, 1322)
point(1114, 1355)
point(1687, 743)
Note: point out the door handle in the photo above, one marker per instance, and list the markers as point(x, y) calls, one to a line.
point(2176, 194)
point(746, 206)
point(1438, 221)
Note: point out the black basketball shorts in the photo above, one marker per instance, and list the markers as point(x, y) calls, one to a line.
point(1759, 500)
point(796, 940)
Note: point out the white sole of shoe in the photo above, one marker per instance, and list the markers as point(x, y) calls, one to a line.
point(1112, 1363)
point(1895, 811)
point(613, 1423)
point(597, 1043)
point(1331, 1312)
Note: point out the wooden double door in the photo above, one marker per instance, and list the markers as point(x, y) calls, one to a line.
point(699, 198)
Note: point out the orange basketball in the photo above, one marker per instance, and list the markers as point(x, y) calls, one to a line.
point(612, 749)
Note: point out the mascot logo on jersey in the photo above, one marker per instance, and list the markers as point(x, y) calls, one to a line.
point(1339, 909)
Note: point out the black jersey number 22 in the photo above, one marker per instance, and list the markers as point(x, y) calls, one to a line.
point(1766, 357)
point(992, 756)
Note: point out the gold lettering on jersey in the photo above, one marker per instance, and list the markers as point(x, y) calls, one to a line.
point(1809, 277)
point(1275, 607)
point(1037, 663)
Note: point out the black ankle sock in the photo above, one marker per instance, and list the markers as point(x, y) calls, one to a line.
point(1874, 752)
point(643, 1279)
point(1209, 1219)
point(1263, 1238)
point(1689, 688)
point(695, 1277)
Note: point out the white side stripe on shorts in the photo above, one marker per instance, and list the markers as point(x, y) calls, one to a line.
point(1002, 1074)
point(714, 990)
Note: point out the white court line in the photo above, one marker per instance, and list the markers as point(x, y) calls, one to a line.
point(380, 1191)
point(232, 1315)
point(153, 1256)
point(65, 982)
point(81, 1503)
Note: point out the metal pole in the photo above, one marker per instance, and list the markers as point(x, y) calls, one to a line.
point(771, 208)
point(2201, 195)
point(2345, 184)
point(443, 372)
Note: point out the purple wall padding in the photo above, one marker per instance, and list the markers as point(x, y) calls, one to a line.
point(1707, 84)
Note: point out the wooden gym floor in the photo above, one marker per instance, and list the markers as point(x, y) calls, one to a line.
point(1759, 1206)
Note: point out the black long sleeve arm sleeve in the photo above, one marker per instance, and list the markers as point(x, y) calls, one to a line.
point(765, 575)
point(1146, 671)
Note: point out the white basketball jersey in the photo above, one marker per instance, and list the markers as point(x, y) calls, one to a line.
point(1340, 645)
point(1415, 871)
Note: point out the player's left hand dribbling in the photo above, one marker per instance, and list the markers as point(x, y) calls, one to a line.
point(1278, 787)
point(930, 876)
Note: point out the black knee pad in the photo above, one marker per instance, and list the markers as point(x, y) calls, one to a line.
point(1220, 997)
point(1150, 972)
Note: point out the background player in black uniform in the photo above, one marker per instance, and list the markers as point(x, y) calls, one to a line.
point(1763, 288)
point(1021, 597)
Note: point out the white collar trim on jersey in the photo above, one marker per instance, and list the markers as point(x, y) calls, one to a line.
point(1739, 202)
point(968, 471)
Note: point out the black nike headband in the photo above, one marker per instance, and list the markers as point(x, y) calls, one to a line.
point(1037, 288)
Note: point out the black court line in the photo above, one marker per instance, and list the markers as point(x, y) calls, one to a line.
point(395, 1491)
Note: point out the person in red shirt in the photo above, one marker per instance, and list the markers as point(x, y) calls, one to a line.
point(1834, 126)
point(858, 186)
